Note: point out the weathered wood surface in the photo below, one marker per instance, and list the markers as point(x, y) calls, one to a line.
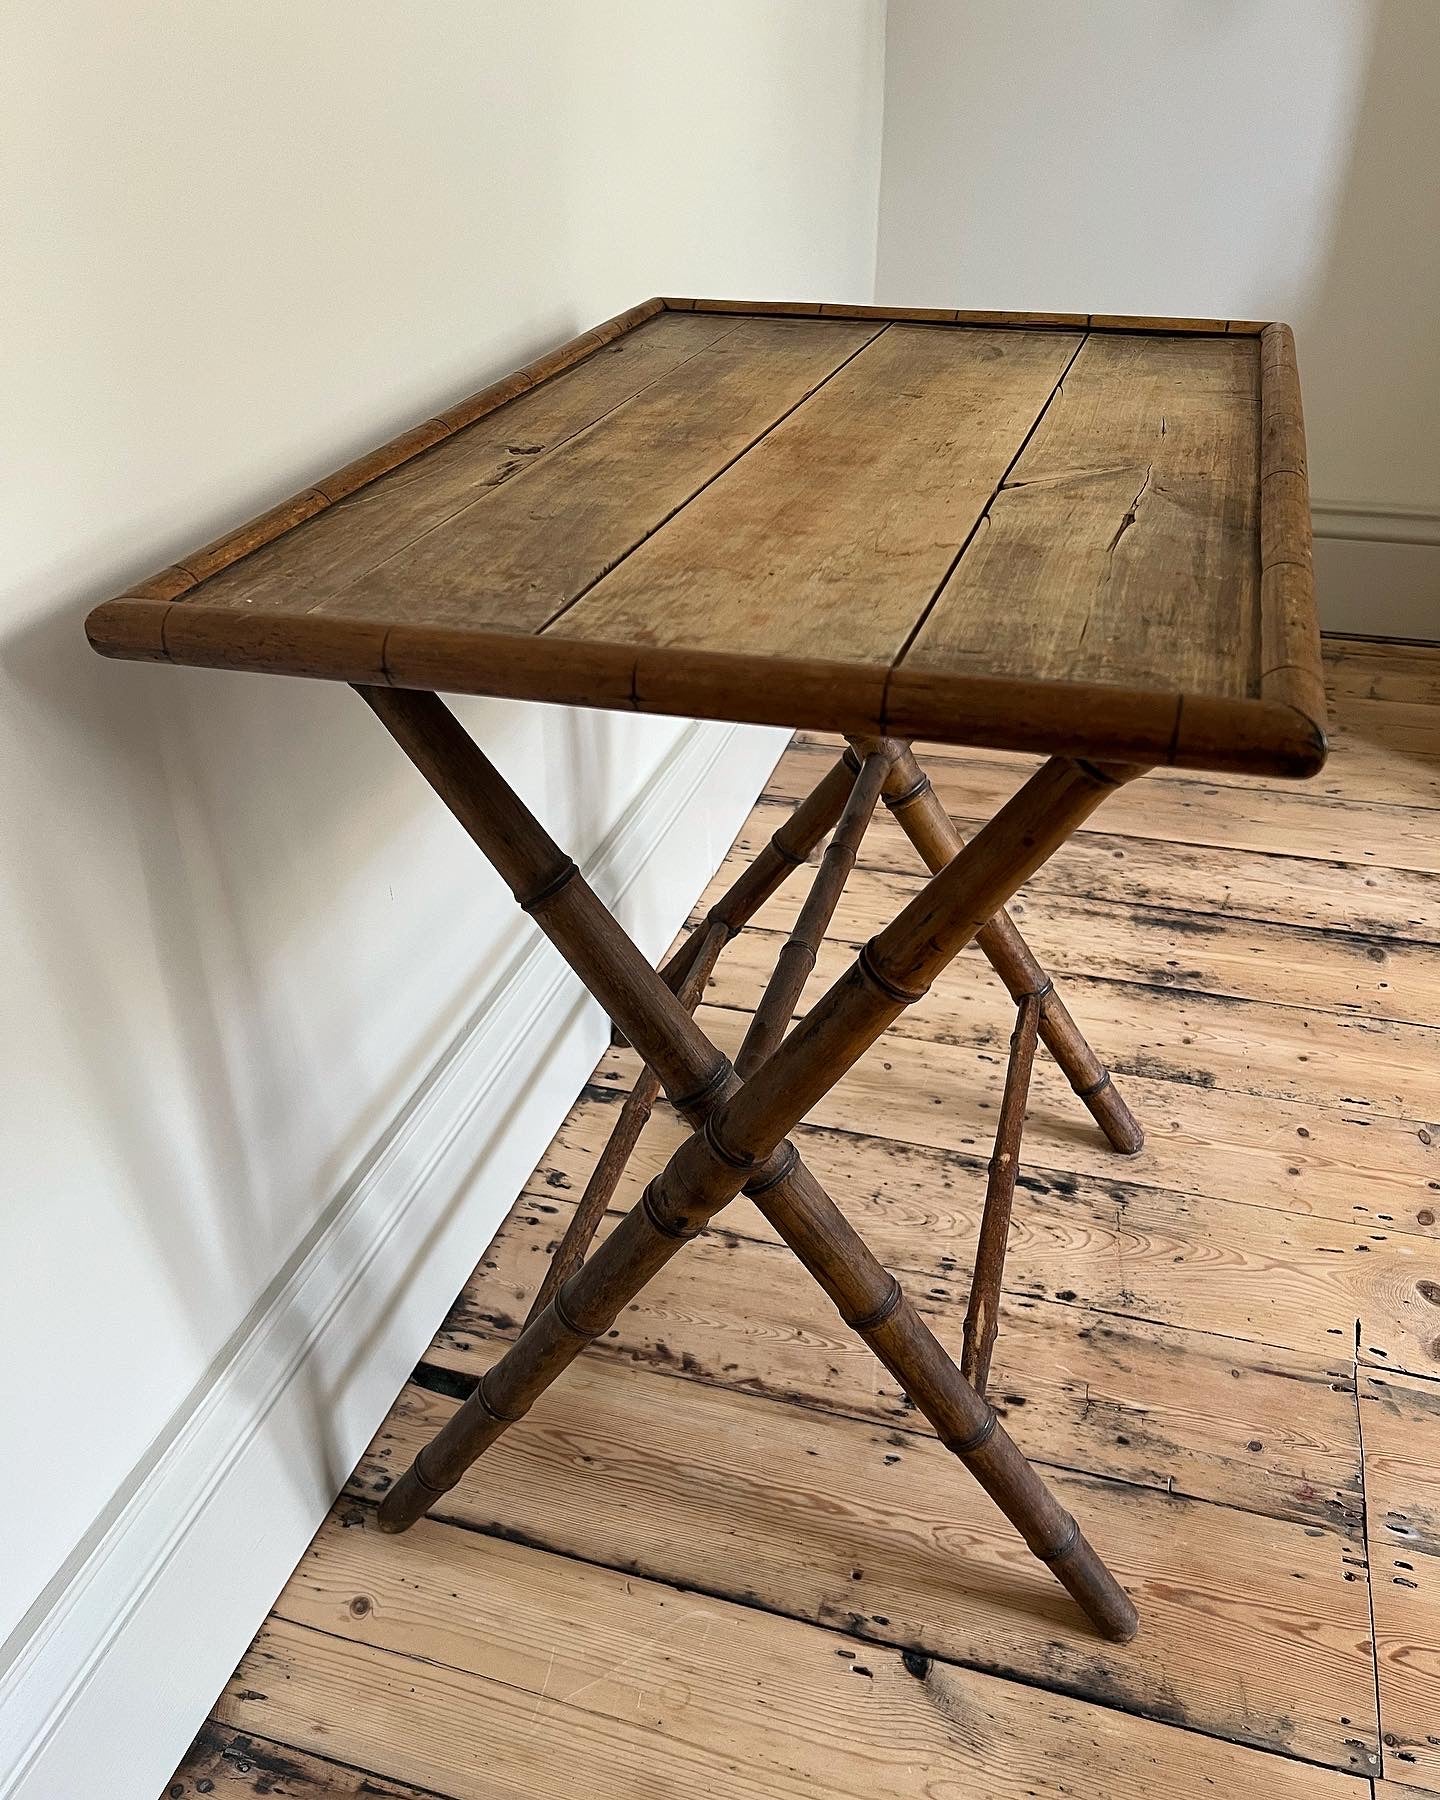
point(1185, 1411)
point(830, 538)
point(1252, 1629)
point(1131, 872)
point(466, 1654)
point(730, 1445)
point(313, 565)
point(1169, 947)
point(1211, 1264)
point(1383, 1066)
point(1377, 670)
point(1122, 1248)
point(1122, 544)
point(1400, 1434)
point(230, 1764)
point(820, 516)
point(1381, 752)
point(520, 553)
point(1346, 1165)
point(1306, 824)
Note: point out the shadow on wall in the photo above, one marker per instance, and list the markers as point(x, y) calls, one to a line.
point(1370, 351)
point(1367, 327)
point(254, 934)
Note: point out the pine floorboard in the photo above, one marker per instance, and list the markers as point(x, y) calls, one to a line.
point(724, 1555)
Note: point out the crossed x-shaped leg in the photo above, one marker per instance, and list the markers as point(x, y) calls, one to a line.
point(740, 1114)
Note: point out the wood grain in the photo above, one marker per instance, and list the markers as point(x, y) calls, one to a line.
point(1366, 669)
point(520, 553)
point(1124, 1248)
point(1122, 546)
point(1176, 948)
point(231, 1764)
point(639, 1682)
point(1385, 1067)
point(891, 1543)
point(1127, 873)
point(785, 589)
point(314, 564)
point(731, 1386)
point(831, 536)
point(1392, 755)
point(1184, 1411)
point(1400, 1434)
point(1289, 1157)
point(1308, 824)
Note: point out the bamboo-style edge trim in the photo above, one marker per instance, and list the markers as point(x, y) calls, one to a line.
point(941, 315)
point(1291, 670)
point(1045, 717)
point(1282, 730)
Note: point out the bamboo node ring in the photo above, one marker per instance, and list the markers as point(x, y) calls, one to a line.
point(567, 1318)
point(762, 1184)
point(666, 1227)
point(964, 1446)
point(1064, 1547)
point(725, 1154)
point(866, 964)
point(551, 888)
point(712, 1084)
point(910, 796)
point(887, 1309)
point(486, 1405)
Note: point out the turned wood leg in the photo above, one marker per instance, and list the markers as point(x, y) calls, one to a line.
point(982, 1316)
point(917, 809)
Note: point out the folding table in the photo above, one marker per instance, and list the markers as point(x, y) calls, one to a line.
point(1082, 536)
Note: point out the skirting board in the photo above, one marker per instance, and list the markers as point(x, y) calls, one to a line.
point(123, 1659)
point(1377, 570)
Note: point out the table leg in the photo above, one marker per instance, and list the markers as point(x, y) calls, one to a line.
point(873, 1304)
point(917, 810)
point(796, 960)
point(789, 847)
point(686, 973)
point(741, 1140)
point(635, 1113)
point(982, 1316)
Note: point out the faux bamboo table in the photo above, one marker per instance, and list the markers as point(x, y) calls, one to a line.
point(1081, 536)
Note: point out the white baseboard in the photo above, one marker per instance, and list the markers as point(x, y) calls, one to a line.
point(1377, 569)
point(116, 1666)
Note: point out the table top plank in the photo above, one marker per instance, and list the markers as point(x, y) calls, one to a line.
point(1036, 532)
point(315, 563)
point(1123, 546)
point(519, 553)
point(831, 537)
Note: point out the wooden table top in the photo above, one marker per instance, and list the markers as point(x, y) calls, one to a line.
point(1031, 532)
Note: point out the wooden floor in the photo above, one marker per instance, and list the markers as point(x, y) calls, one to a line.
point(724, 1557)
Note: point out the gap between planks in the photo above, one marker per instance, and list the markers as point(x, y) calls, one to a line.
point(464, 1690)
point(1179, 1410)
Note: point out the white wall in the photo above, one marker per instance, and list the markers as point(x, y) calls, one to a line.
point(1215, 158)
point(242, 244)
